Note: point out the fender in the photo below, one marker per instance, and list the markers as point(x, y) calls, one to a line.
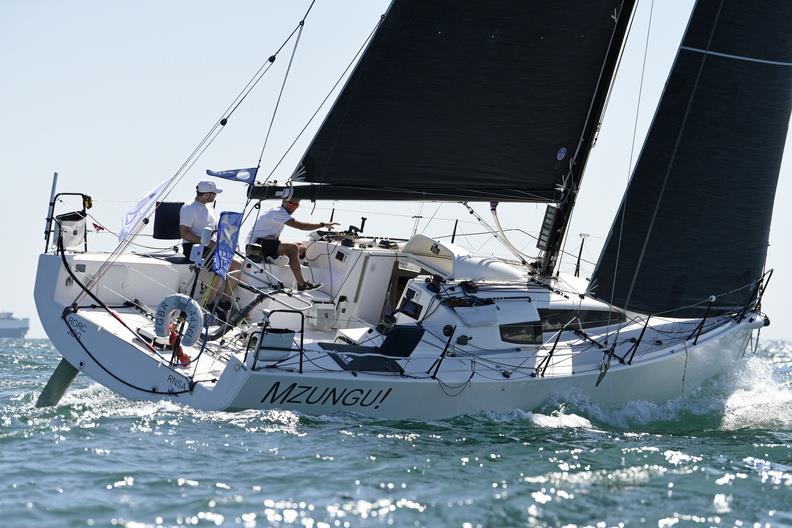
point(168, 310)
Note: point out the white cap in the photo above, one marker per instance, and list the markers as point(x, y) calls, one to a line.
point(208, 186)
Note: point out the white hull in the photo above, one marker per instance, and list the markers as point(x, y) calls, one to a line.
point(659, 379)
point(107, 353)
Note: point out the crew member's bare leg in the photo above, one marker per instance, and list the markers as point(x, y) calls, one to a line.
point(293, 252)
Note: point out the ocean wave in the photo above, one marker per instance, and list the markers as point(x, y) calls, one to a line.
point(756, 396)
point(554, 419)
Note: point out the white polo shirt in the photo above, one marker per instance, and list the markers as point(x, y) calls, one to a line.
point(197, 216)
point(269, 224)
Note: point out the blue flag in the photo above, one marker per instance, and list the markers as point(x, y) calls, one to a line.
point(241, 175)
point(227, 237)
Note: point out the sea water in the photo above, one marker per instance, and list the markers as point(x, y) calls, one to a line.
point(719, 457)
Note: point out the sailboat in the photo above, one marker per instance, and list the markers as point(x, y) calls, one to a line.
point(467, 102)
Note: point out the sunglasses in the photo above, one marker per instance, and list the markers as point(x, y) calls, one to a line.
point(293, 204)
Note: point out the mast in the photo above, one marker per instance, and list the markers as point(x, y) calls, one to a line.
point(577, 164)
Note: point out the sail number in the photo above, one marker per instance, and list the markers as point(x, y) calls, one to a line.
point(77, 328)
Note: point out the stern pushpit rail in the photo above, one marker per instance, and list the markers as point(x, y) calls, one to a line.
point(266, 329)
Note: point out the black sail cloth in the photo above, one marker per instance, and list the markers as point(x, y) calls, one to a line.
point(462, 100)
point(695, 219)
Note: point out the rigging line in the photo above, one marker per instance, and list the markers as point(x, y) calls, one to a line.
point(630, 166)
point(92, 217)
point(602, 114)
point(329, 93)
point(672, 157)
point(308, 11)
point(481, 246)
point(704, 301)
point(138, 226)
point(268, 63)
point(616, 69)
point(194, 156)
point(143, 221)
point(88, 292)
point(495, 234)
point(263, 69)
point(524, 232)
point(517, 229)
point(562, 253)
point(572, 179)
point(147, 277)
point(425, 227)
point(541, 348)
point(619, 61)
point(111, 374)
point(213, 130)
point(380, 213)
point(247, 215)
point(350, 88)
point(417, 217)
point(458, 388)
point(280, 94)
point(497, 365)
point(252, 83)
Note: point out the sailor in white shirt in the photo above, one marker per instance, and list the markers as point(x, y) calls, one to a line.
point(266, 233)
point(198, 214)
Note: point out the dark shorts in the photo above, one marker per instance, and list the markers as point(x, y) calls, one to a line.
point(263, 249)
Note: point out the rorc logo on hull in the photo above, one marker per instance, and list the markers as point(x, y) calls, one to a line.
point(76, 328)
point(313, 395)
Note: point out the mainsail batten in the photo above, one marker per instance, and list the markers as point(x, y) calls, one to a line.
point(491, 98)
point(695, 219)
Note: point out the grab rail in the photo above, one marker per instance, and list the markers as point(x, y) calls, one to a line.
point(264, 331)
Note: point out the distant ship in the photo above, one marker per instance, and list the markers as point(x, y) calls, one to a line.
point(10, 326)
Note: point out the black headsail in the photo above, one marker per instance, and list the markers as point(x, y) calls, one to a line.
point(463, 100)
point(695, 219)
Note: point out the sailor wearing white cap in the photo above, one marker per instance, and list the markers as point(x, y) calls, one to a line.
point(207, 186)
point(198, 214)
point(194, 217)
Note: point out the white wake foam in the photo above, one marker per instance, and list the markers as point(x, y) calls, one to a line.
point(555, 419)
point(756, 396)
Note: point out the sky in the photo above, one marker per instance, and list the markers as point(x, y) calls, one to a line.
point(115, 95)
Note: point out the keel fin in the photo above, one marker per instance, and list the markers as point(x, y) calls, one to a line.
point(58, 383)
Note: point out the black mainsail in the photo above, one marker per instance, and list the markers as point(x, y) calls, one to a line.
point(695, 219)
point(464, 100)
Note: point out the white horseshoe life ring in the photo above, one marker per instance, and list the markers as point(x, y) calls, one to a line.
point(168, 310)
